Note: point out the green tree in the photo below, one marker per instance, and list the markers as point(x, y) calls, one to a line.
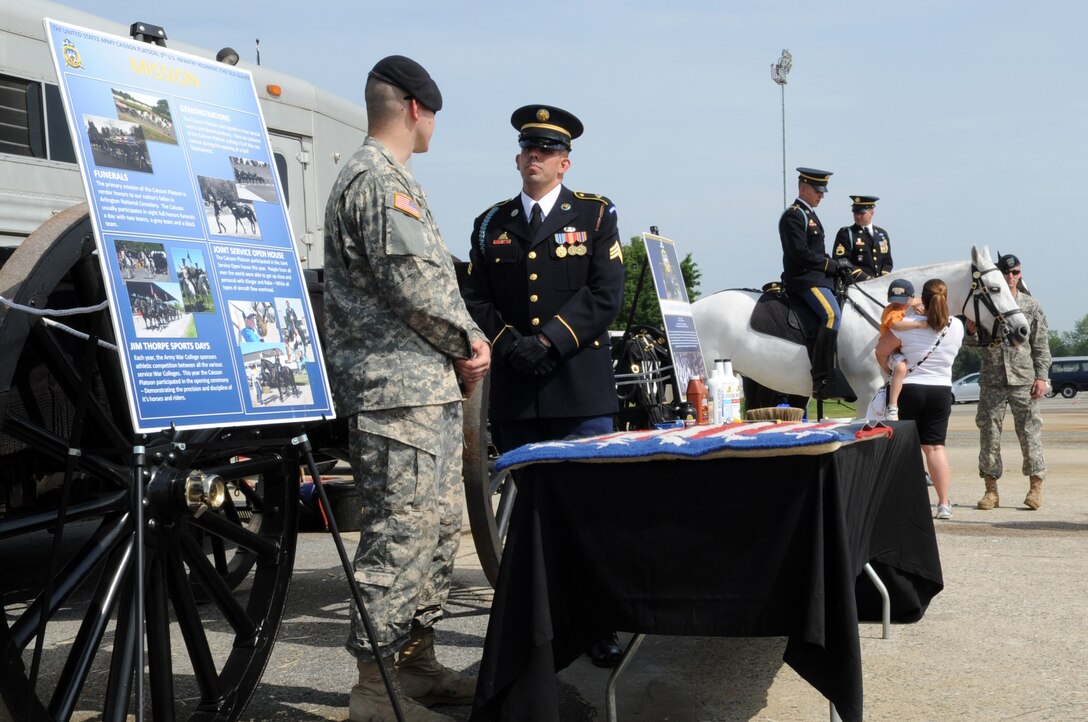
point(1071, 343)
point(647, 311)
point(968, 360)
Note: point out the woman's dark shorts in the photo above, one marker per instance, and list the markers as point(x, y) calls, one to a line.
point(929, 408)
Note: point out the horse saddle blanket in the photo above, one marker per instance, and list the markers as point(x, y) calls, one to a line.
point(775, 315)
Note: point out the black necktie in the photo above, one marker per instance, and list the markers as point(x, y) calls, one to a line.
point(536, 217)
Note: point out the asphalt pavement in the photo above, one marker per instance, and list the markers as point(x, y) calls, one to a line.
point(1005, 640)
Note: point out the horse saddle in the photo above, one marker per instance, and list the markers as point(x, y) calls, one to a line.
point(778, 314)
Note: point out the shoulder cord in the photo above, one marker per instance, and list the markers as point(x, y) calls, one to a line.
point(483, 229)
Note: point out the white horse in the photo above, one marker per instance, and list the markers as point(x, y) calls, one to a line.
point(976, 289)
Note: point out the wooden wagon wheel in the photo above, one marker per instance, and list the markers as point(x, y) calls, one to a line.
point(489, 495)
point(215, 579)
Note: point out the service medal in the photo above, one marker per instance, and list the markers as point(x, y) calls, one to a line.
point(561, 252)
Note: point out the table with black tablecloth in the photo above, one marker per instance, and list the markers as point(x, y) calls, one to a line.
point(761, 544)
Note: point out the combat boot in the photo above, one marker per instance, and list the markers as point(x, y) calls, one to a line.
point(1034, 499)
point(823, 360)
point(990, 499)
point(370, 702)
point(424, 679)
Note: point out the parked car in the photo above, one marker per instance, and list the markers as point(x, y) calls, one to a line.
point(1068, 375)
point(965, 389)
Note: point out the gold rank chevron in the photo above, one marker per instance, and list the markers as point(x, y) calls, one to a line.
point(616, 251)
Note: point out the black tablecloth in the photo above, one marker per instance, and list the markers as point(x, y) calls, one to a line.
point(735, 547)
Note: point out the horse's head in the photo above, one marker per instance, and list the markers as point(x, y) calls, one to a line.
point(991, 294)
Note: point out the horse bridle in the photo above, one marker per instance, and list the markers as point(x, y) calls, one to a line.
point(979, 293)
point(999, 333)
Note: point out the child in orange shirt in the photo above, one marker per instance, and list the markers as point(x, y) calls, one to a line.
point(900, 298)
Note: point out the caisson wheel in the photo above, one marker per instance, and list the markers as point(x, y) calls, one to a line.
point(489, 495)
point(219, 507)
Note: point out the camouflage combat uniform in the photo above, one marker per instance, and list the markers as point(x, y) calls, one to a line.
point(1005, 378)
point(395, 323)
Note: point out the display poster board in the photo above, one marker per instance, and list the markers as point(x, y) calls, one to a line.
point(209, 304)
point(672, 297)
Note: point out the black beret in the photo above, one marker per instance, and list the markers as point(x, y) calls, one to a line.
point(1007, 262)
point(545, 126)
point(411, 77)
point(815, 178)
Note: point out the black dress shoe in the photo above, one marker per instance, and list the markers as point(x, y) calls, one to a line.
point(606, 651)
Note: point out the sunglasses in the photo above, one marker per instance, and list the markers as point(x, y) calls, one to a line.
point(1015, 272)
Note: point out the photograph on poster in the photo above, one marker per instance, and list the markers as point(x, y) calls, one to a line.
point(254, 180)
point(225, 213)
point(686, 365)
point(254, 322)
point(196, 287)
point(117, 144)
point(157, 310)
point(666, 271)
point(272, 380)
point(141, 261)
point(296, 336)
point(151, 112)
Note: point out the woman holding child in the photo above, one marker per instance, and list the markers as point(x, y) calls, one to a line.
point(929, 343)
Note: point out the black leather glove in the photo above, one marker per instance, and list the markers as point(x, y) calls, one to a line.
point(550, 360)
point(833, 266)
point(531, 357)
point(508, 343)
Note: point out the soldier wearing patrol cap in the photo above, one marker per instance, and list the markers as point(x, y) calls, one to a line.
point(865, 248)
point(544, 283)
point(808, 272)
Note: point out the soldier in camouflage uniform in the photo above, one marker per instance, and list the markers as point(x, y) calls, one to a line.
point(1015, 376)
point(399, 340)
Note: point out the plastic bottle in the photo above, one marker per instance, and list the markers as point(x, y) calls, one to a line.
point(715, 389)
point(723, 401)
point(733, 392)
point(697, 398)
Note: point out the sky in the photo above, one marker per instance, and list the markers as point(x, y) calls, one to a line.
point(965, 118)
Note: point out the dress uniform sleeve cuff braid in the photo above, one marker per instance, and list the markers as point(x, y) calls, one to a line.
point(571, 330)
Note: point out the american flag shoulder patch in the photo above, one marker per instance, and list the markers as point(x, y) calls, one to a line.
point(616, 252)
point(405, 203)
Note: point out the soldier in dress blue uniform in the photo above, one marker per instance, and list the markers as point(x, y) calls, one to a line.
point(808, 272)
point(545, 298)
point(545, 281)
point(865, 248)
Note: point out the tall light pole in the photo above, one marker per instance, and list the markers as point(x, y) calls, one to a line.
point(779, 72)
